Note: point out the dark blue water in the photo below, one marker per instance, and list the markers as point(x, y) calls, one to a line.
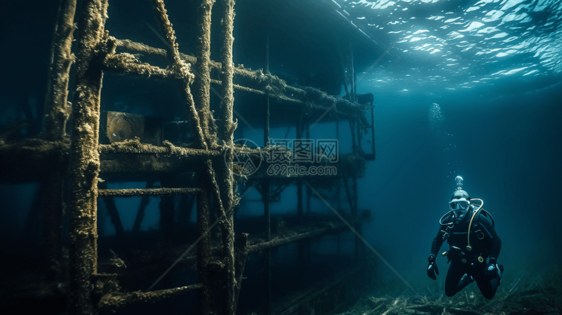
point(506, 148)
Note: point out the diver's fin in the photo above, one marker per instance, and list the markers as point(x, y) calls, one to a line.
point(465, 281)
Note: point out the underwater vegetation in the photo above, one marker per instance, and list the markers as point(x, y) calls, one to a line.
point(518, 294)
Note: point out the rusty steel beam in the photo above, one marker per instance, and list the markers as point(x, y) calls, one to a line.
point(204, 250)
point(226, 181)
point(293, 238)
point(84, 159)
point(182, 70)
point(147, 192)
point(202, 84)
point(113, 301)
point(301, 96)
point(136, 147)
point(240, 71)
point(57, 108)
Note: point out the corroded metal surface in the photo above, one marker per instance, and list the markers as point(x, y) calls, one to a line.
point(84, 159)
point(138, 148)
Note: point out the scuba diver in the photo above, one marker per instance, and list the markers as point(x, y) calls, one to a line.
point(469, 230)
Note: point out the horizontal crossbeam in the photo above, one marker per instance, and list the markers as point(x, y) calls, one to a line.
point(123, 63)
point(145, 49)
point(147, 192)
point(119, 300)
point(136, 147)
point(293, 238)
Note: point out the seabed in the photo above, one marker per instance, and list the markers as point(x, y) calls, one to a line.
point(518, 294)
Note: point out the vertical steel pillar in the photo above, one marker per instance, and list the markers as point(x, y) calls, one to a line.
point(308, 243)
point(355, 214)
point(359, 136)
point(338, 188)
point(203, 250)
point(242, 254)
point(85, 160)
point(300, 253)
point(308, 195)
point(56, 114)
point(267, 105)
point(299, 181)
point(57, 109)
point(266, 192)
point(299, 197)
point(353, 143)
point(266, 124)
point(266, 198)
point(202, 83)
point(353, 82)
point(308, 191)
point(355, 196)
point(202, 88)
point(267, 54)
point(226, 182)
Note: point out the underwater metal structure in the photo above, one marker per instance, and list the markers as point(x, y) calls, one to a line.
point(81, 158)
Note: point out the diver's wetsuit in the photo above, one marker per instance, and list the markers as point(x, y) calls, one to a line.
point(485, 243)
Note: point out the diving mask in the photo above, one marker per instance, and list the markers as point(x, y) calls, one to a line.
point(459, 204)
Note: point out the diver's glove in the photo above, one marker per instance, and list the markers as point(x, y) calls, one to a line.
point(432, 267)
point(491, 269)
